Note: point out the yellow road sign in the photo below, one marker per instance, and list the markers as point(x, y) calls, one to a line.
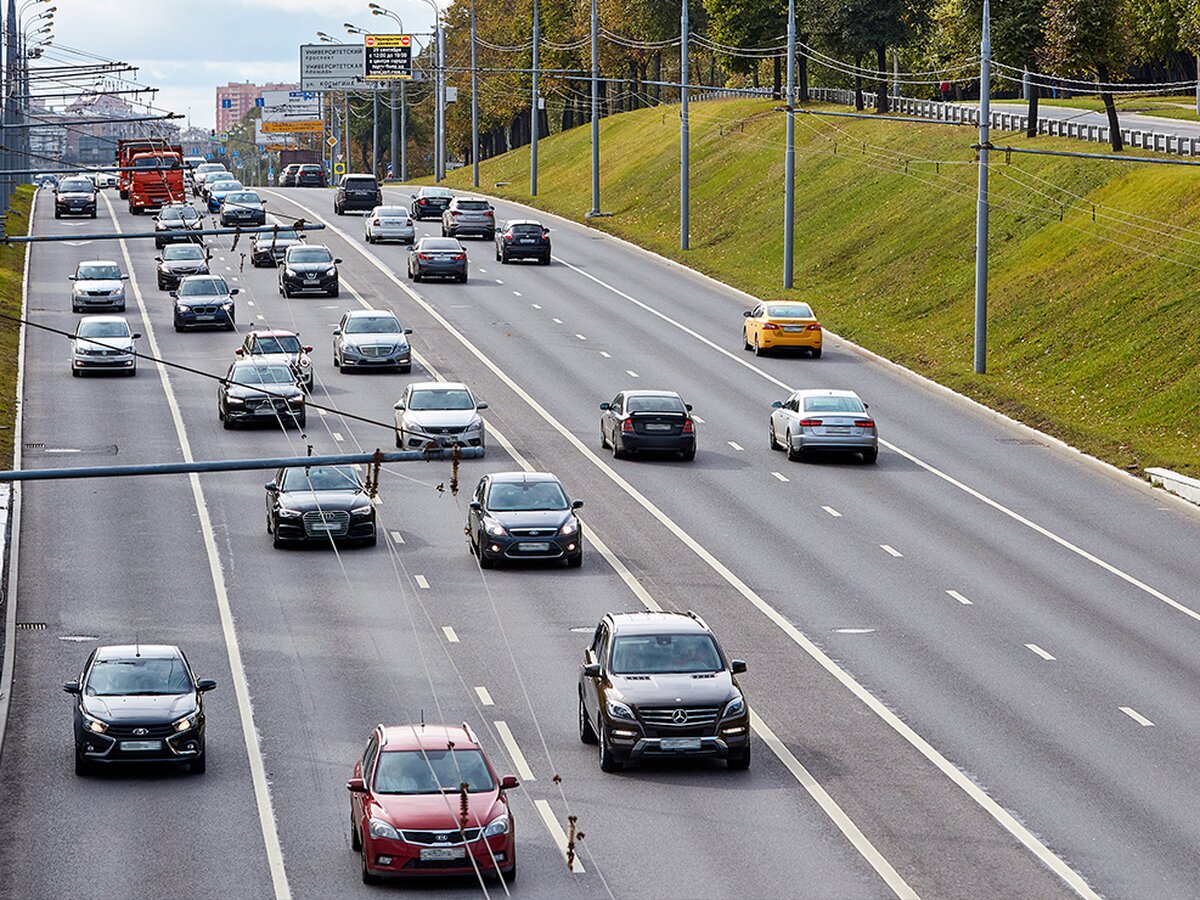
point(339, 168)
point(302, 127)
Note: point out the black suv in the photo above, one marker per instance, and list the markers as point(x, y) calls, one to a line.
point(138, 703)
point(287, 178)
point(310, 175)
point(75, 196)
point(523, 239)
point(656, 684)
point(357, 192)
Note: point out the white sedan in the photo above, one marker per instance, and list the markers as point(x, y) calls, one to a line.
point(825, 420)
point(104, 344)
point(389, 223)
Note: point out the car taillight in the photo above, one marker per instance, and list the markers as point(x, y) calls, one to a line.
point(811, 423)
point(420, 203)
point(545, 235)
point(459, 257)
point(627, 425)
point(489, 213)
point(865, 423)
point(508, 239)
point(770, 326)
point(423, 256)
point(455, 213)
point(815, 326)
point(375, 222)
point(687, 426)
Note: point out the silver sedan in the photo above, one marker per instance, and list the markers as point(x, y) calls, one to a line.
point(389, 223)
point(815, 420)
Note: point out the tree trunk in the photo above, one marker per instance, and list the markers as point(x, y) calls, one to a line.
point(754, 75)
point(777, 78)
point(858, 97)
point(658, 76)
point(1114, 126)
point(881, 95)
point(1034, 90)
point(635, 99)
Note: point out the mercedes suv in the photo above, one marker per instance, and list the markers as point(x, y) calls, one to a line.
point(657, 685)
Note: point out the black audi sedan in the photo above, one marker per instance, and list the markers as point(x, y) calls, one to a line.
point(177, 262)
point(319, 503)
point(433, 257)
point(655, 421)
point(257, 391)
point(524, 516)
point(308, 269)
point(138, 703)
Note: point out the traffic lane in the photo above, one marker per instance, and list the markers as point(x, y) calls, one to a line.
point(944, 802)
point(107, 593)
point(1137, 121)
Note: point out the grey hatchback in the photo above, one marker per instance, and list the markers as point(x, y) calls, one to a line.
point(437, 257)
point(469, 215)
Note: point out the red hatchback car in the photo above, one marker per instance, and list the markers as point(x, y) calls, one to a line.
point(406, 811)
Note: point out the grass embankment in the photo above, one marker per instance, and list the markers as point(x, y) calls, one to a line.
point(12, 269)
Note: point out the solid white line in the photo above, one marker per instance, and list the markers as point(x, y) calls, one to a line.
point(397, 537)
point(498, 281)
point(557, 833)
point(516, 293)
point(632, 374)
point(960, 598)
point(1136, 716)
point(557, 321)
point(606, 355)
point(833, 512)
point(888, 548)
point(697, 419)
point(836, 814)
point(484, 271)
point(780, 476)
point(514, 752)
point(337, 436)
point(422, 582)
point(581, 337)
point(484, 697)
point(249, 302)
point(259, 317)
point(1040, 652)
point(241, 687)
point(735, 445)
point(451, 634)
point(536, 305)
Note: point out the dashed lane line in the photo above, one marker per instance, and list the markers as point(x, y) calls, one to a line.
point(780, 476)
point(1040, 652)
point(451, 634)
point(833, 512)
point(632, 374)
point(735, 445)
point(397, 537)
point(890, 550)
point(422, 582)
point(514, 751)
point(485, 698)
point(960, 598)
point(557, 833)
point(1136, 716)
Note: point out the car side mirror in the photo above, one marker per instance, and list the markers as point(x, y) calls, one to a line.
point(778, 404)
point(158, 259)
point(124, 277)
point(576, 504)
point(238, 352)
point(70, 278)
point(356, 786)
point(481, 406)
point(72, 687)
point(264, 202)
point(174, 294)
point(737, 666)
point(136, 335)
point(408, 331)
point(688, 407)
point(747, 314)
point(476, 506)
point(235, 291)
point(204, 685)
point(398, 406)
point(545, 231)
point(337, 331)
point(591, 670)
point(414, 196)
point(509, 783)
point(271, 487)
point(337, 261)
point(307, 349)
point(606, 406)
point(866, 406)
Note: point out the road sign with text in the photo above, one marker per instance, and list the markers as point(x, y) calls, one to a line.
point(387, 57)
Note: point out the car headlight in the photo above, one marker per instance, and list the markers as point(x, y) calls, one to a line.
point(619, 710)
point(187, 722)
point(382, 829)
point(475, 425)
point(228, 304)
point(569, 528)
point(304, 362)
point(332, 270)
point(290, 273)
point(94, 724)
point(735, 707)
point(285, 513)
point(498, 825)
point(235, 401)
point(361, 510)
point(496, 529)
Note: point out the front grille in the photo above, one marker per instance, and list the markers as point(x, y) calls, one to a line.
point(385, 350)
point(441, 838)
point(668, 716)
point(533, 532)
point(337, 520)
point(279, 403)
point(445, 429)
point(203, 310)
point(99, 293)
point(126, 732)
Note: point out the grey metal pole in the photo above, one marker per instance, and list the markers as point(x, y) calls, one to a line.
point(895, 73)
point(595, 211)
point(440, 137)
point(789, 152)
point(375, 130)
point(474, 106)
point(395, 117)
point(1025, 87)
point(981, 216)
point(533, 108)
point(1198, 84)
point(684, 162)
point(346, 128)
point(403, 132)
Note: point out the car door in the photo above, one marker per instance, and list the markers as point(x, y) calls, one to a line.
point(337, 334)
point(754, 323)
point(594, 653)
point(273, 496)
point(787, 415)
point(475, 517)
point(223, 389)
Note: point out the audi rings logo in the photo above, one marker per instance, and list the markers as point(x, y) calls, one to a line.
point(141, 731)
point(679, 717)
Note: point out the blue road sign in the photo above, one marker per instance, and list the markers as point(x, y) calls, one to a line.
point(208, 156)
point(195, 151)
point(221, 149)
point(235, 153)
point(226, 104)
point(258, 101)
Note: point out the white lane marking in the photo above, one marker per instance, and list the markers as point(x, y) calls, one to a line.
point(514, 752)
point(557, 321)
point(516, 293)
point(484, 697)
point(606, 355)
point(422, 582)
point(536, 305)
point(780, 476)
point(888, 548)
point(557, 833)
point(321, 412)
point(229, 268)
point(697, 419)
point(498, 281)
point(397, 537)
point(337, 436)
point(580, 336)
point(235, 278)
point(836, 814)
point(261, 317)
point(960, 598)
point(484, 271)
point(241, 687)
point(735, 445)
point(1136, 716)
point(1040, 652)
point(632, 374)
point(249, 302)
point(833, 512)
point(451, 634)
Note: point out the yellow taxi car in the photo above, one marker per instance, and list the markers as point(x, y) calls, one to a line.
point(782, 325)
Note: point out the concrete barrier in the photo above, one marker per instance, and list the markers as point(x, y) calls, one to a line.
point(1182, 485)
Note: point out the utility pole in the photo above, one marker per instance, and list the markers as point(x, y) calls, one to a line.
point(346, 129)
point(403, 132)
point(1198, 84)
point(395, 117)
point(981, 216)
point(375, 130)
point(595, 211)
point(895, 73)
point(533, 109)
point(474, 106)
point(684, 163)
point(789, 152)
point(440, 142)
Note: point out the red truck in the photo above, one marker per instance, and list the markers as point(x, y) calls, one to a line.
point(151, 174)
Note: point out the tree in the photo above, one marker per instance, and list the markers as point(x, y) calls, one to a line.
point(858, 27)
point(1090, 38)
point(748, 23)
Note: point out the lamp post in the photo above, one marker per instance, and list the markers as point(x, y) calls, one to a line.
point(439, 115)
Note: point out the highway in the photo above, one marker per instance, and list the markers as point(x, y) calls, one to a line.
point(970, 664)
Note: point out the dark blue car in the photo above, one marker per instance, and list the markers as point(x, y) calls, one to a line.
point(204, 301)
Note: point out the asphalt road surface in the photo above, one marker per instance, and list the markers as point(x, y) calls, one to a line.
point(955, 655)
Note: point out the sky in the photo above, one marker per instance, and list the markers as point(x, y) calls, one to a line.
point(185, 48)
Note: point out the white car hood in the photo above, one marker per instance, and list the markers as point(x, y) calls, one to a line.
point(87, 284)
point(114, 343)
point(440, 418)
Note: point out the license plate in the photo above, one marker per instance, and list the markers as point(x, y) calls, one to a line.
point(657, 426)
point(680, 743)
point(527, 241)
point(443, 852)
point(534, 546)
point(323, 526)
point(141, 745)
point(837, 429)
point(793, 327)
point(205, 318)
point(264, 411)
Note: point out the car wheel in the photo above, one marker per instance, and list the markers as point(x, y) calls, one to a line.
point(178, 327)
point(416, 276)
point(484, 562)
point(337, 363)
point(75, 372)
point(161, 286)
point(367, 876)
point(302, 421)
point(334, 292)
point(740, 762)
point(462, 279)
point(617, 452)
point(490, 236)
point(82, 766)
point(227, 423)
point(133, 372)
point(340, 212)
point(587, 734)
point(688, 455)
point(603, 439)
point(355, 839)
point(574, 562)
point(773, 443)
point(608, 762)
point(199, 764)
point(371, 541)
point(498, 258)
point(510, 874)
point(746, 340)
point(406, 370)
point(869, 456)
point(93, 213)
point(546, 260)
point(276, 541)
point(758, 351)
point(816, 352)
point(793, 454)
point(444, 234)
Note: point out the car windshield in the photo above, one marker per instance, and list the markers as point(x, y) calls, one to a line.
point(474, 205)
point(183, 251)
point(439, 244)
point(259, 374)
point(216, 174)
point(435, 192)
point(205, 168)
point(654, 404)
point(156, 162)
point(176, 213)
point(103, 329)
point(98, 272)
point(310, 255)
point(361, 184)
point(284, 344)
point(392, 212)
point(283, 234)
point(441, 398)
point(790, 311)
point(321, 478)
point(833, 404)
point(372, 325)
point(660, 654)
point(432, 772)
point(203, 287)
point(141, 675)
point(225, 187)
point(244, 197)
point(526, 229)
point(311, 169)
point(526, 496)
point(75, 186)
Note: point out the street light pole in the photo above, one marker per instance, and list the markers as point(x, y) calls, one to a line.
point(981, 215)
point(789, 153)
point(684, 162)
point(533, 109)
point(475, 106)
point(595, 211)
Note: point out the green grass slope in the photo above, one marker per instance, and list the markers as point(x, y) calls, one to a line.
point(12, 269)
point(1094, 330)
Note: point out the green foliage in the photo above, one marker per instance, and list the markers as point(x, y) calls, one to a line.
point(1087, 37)
point(12, 270)
point(745, 23)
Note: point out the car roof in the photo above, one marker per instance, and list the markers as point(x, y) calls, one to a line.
point(523, 222)
point(523, 477)
point(427, 737)
point(360, 313)
point(270, 333)
point(150, 651)
point(657, 622)
point(257, 362)
point(825, 392)
point(472, 197)
point(97, 262)
point(104, 319)
point(359, 177)
point(438, 385)
point(312, 247)
point(638, 392)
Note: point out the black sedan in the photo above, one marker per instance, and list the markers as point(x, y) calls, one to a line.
point(319, 503)
point(177, 262)
point(638, 421)
point(430, 202)
point(204, 301)
point(308, 269)
point(75, 196)
point(255, 391)
point(270, 247)
point(138, 703)
point(524, 516)
point(433, 257)
point(243, 208)
point(523, 239)
point(177, 222)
